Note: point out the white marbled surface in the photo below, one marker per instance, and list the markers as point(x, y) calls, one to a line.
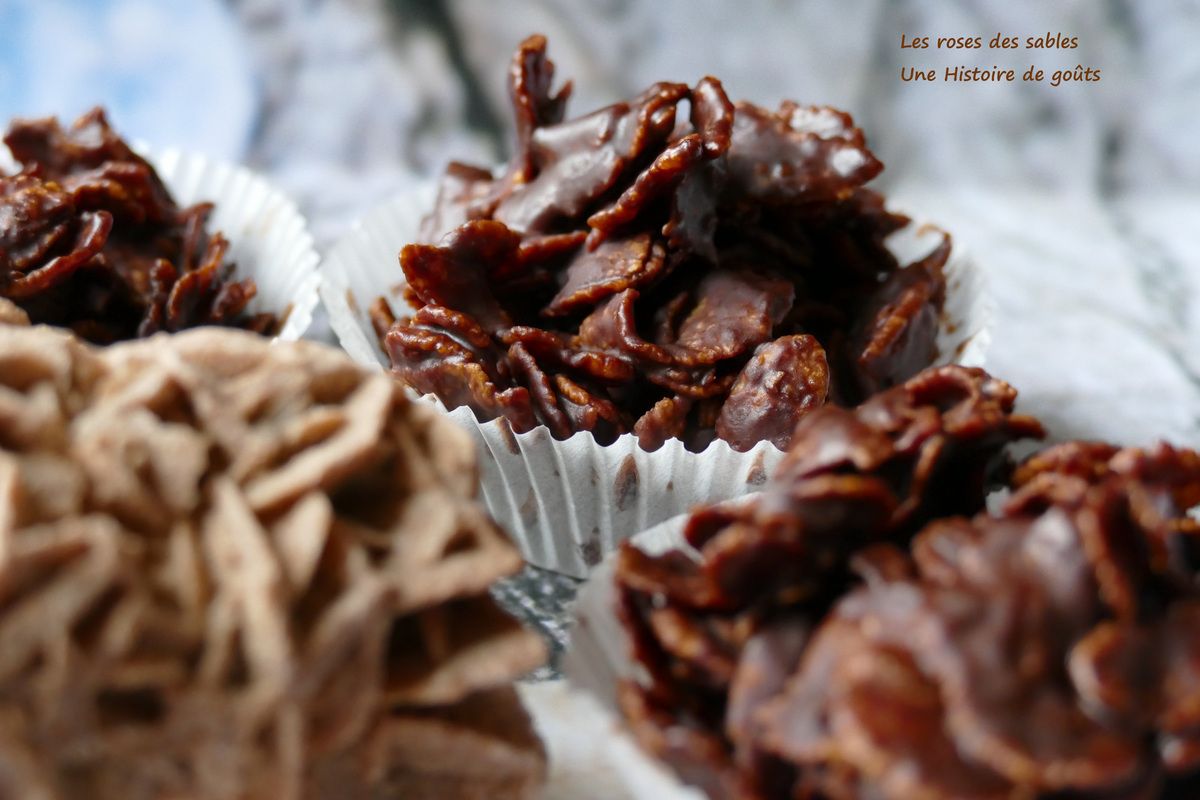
point(1098, 304)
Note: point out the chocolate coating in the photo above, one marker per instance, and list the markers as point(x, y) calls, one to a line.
point(91, 240)
point(675, 269)
point(863, 629)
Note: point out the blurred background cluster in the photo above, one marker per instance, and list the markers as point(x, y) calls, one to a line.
point(341, 101)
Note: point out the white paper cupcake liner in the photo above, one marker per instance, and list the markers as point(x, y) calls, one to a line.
point(268, 237)
point(568, 503)
point(597, 660)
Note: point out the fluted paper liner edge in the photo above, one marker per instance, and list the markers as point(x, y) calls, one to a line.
point(597, 659)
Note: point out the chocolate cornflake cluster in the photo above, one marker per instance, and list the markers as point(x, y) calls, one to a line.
point(721, 275)
point(1050, 649)
point(240, 571)
point(91, 240)
point(718, 629)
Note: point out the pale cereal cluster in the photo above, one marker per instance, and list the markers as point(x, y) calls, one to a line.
point(231, 569)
